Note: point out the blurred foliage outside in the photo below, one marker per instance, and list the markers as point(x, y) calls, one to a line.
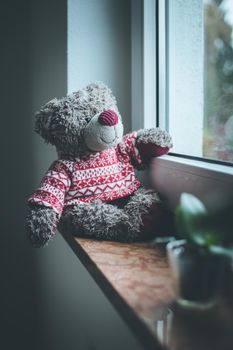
point(218, 80)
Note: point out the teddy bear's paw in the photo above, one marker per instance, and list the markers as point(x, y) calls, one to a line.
point(154, 136)
point(40, 225)
point(140, 213)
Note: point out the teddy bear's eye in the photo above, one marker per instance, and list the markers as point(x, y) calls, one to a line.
point(87, 119)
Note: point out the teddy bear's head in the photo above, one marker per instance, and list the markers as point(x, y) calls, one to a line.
point(85, 121)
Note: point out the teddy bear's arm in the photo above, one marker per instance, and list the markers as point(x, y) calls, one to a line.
point(46, 204)
point(152, 142)
point(139, 147)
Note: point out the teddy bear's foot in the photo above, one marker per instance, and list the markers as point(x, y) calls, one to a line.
point(145, 212)
point(98, 220)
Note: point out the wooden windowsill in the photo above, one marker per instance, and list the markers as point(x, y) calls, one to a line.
point(135, 277)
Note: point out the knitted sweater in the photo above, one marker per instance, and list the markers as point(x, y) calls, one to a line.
point(107, 175)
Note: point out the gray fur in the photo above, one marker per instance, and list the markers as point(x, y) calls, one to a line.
point(139, 204)
point(41, 224)
point(105, 221)
point(156, 136)
point(99, 220)
point(61, 122)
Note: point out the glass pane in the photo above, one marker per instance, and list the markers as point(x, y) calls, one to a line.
point(200, 77)
point(218, 80)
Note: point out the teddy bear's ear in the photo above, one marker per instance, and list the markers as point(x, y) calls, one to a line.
point(44, 117)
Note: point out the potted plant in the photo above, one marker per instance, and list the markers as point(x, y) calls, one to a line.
point(199, 260)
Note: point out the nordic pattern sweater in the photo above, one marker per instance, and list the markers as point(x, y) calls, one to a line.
point(107, 175)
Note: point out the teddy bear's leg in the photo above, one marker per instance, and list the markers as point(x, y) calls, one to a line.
point(98, 220)
point(145, 213)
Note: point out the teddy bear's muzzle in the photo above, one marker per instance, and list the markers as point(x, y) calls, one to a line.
point(103, 131)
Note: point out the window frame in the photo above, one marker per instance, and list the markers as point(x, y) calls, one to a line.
point(143, 69)
point(149, 96)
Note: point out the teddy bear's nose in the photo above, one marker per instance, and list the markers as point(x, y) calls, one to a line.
point(108, 117)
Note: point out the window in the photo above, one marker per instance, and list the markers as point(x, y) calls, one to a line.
point(175, 35)
point(198, 78)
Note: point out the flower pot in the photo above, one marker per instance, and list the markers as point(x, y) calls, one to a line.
point(196, 274)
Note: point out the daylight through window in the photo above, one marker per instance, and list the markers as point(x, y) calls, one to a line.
point(200, 77)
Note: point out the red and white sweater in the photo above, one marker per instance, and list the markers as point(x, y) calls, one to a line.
point(107, 175)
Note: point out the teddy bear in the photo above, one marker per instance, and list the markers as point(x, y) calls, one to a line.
point(91, 190)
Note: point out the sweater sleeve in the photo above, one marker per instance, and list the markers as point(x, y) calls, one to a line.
point(53, 188)
point(128, 146)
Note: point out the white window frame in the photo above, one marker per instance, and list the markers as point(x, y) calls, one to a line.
point(171, 175)
point(143, 68)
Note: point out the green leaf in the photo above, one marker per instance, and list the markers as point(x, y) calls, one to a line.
point(189, 215)
point(203, 229)
point(191, 205)
point(228, 252)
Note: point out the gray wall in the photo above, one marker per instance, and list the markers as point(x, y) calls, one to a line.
point(19, 274)
point(48, 301)
point(99, 42)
